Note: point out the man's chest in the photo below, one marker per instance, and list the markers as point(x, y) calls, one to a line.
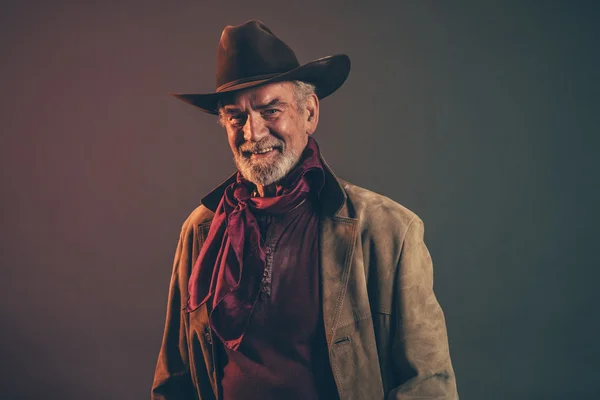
point(289, 301)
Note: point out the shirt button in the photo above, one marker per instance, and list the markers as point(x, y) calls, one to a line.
point(207, 335)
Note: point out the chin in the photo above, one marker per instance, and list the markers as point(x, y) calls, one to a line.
point(265, 174)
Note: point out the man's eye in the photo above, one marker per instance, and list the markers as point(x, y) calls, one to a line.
point(270, 111)
point(237, 120)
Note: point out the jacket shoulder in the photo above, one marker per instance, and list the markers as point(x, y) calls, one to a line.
point(198, 216)
point(378, 211)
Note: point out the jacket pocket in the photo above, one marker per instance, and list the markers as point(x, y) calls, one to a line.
point(355, 362)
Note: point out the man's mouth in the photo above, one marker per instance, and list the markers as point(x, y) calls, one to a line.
point(261, 153)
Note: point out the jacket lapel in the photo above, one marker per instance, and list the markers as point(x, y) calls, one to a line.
point(337, 237)
point(336, 245)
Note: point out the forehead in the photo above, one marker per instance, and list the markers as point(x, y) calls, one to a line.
point(260, 95)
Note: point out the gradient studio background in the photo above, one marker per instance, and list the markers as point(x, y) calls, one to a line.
point(480, 117)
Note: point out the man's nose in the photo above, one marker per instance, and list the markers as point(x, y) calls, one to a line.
point(254, 129)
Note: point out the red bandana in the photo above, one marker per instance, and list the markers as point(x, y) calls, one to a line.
point(231, 263)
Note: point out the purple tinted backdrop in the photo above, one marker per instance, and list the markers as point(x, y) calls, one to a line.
point(483, 119)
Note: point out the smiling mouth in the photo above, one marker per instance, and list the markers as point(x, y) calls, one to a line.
point(268, 149)
point(260, 153)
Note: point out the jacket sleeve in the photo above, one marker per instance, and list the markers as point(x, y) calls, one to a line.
point(172, 378)
point(420, 348)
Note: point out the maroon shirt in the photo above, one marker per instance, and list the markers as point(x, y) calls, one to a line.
point(283, 354)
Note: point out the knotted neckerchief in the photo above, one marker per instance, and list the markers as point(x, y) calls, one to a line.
point(232, 260)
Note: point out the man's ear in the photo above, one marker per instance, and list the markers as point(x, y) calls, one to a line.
point(312, 114)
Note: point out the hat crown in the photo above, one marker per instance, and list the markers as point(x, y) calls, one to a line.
point(251, 50)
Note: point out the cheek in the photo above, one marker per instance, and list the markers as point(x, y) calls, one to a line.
point(234, 139)
point(292, 130)
point(297, 135)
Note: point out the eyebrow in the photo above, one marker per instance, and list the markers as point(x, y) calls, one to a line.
point(276, 102)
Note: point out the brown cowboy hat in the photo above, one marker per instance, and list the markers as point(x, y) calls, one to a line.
point(250, 54)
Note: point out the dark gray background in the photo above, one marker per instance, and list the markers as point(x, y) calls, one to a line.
point(481, 116)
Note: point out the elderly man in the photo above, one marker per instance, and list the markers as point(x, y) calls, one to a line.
point(289, 283)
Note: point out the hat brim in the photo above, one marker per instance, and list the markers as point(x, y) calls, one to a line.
point(327, 74)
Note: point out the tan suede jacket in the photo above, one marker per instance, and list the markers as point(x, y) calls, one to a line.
point(385, 330)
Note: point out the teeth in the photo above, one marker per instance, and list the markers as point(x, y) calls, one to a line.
point(264, 151)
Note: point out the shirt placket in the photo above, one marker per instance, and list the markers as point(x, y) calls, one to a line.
point(267, 230)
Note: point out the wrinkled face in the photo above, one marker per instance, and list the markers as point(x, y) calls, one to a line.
point(267, 131)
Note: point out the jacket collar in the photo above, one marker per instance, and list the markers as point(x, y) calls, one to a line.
point(332, 197)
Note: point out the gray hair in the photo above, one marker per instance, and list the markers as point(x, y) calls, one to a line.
point(302, 92)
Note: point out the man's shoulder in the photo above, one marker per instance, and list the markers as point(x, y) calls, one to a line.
point(376, 210)
point(200, 215)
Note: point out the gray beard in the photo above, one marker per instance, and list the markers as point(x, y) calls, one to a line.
point(266, 172)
